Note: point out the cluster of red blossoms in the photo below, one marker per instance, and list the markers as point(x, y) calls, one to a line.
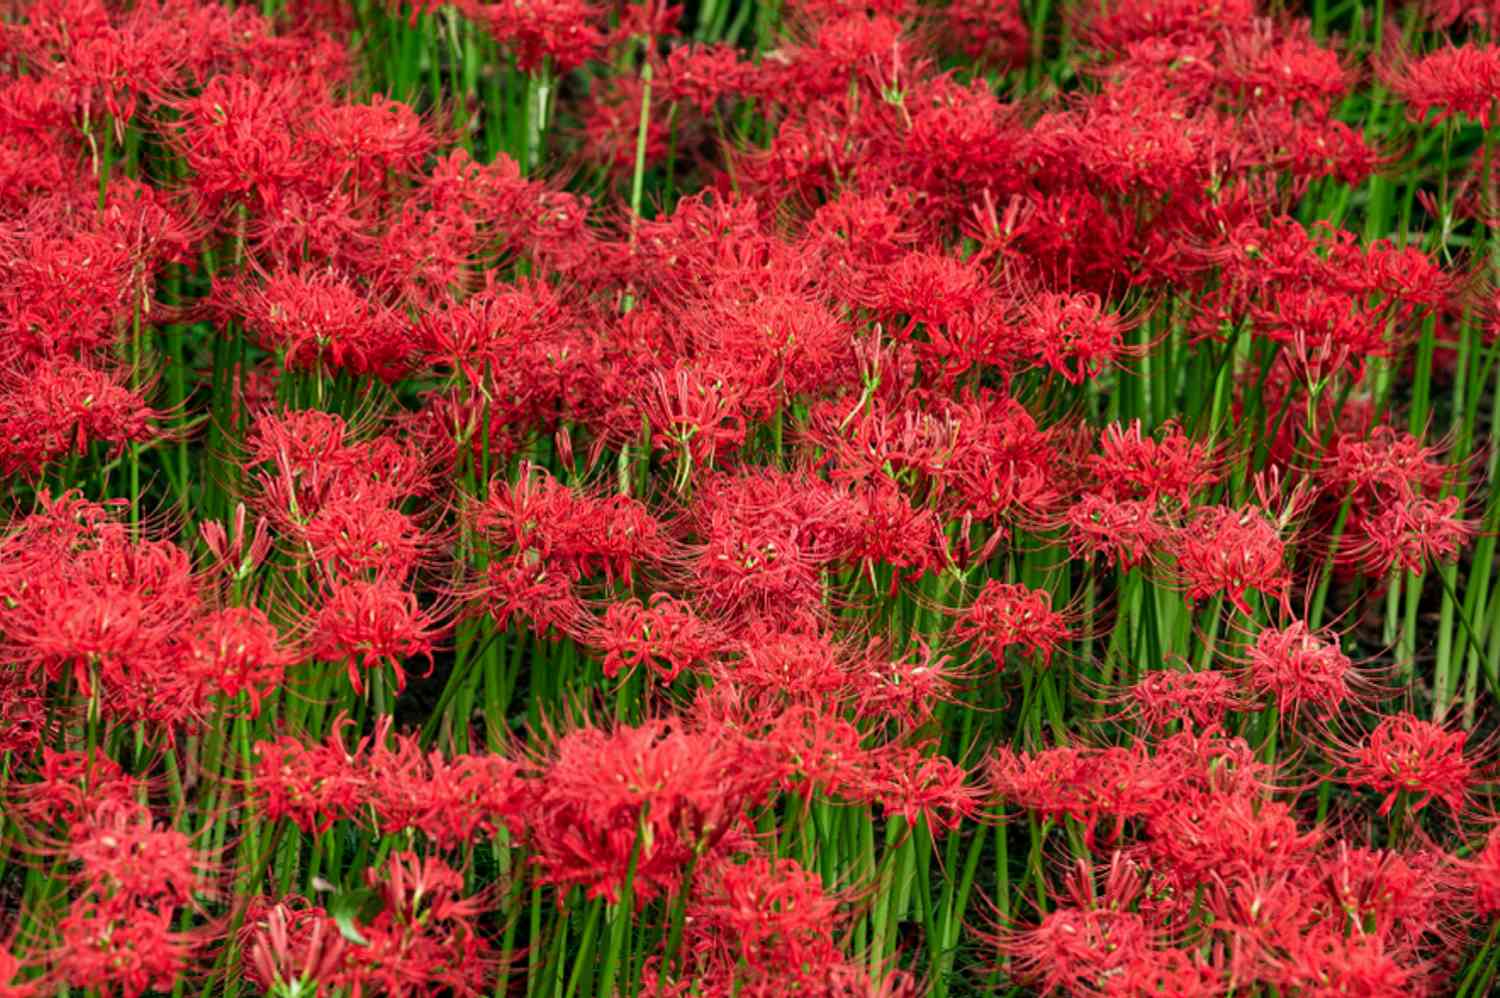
point(736, 499)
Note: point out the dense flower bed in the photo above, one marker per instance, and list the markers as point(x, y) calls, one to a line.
point(810, 498)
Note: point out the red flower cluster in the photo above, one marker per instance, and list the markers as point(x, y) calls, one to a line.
point(598, 499)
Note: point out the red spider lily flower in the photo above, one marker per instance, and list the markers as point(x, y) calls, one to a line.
point(60, 407)
point(807, 749)
point(1405, 754)
point(1480, 878)
point(1384, 470)
point(1329, 330)
point(1186, 973)
point(612, 125)
point(884, 527)
point(1125, 531)
point(779, 342)
point(110, 72)
point(1131, 465)
point(310, 458)
point(843, 47)
point(1299, 670)
point(23, 718)
point(365, 623)
point(1006, 615)
point(701, 75)
point(764, 545)
point(1386, 461)
point(1265, 915)
point(904, 688)
point(950, 303)
point(1196, 699)
point(768, 915)
point(483, 333)
point(1223, 550)
point(311, 786)
point(566, 33)
point(1281, 62)
point(664, 635)
point(125, 859)
point(298, 438)
point(799, 664)
point(366, 143)
point(1200, 836)
point(1397, 896)
point(1010, 466)
point(1412, 533)
point(981, 455)
point(1088, 785)
point(1444, 14)
point(134, 948)
point(69, 787)
point(450, 801)
point(423, 937)
point(1291, 144)
point(65, 294)
point(653, 797)
point(1073, 335)
point(112, 614)
point(1112, 26)
point(320, 321)
point(989, 34)
point(1331, 959)
point(520, 587)
point(570, 532)
point(918, 786)
point(236, 555)
point(1211, 762)
point(238, 650)
point(717, 977)
point(1456, 80)
point(290, 943)
point(696, 415)
point(1076, 950)
point(353, 538)
point(239, 138)
point(390, 779)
